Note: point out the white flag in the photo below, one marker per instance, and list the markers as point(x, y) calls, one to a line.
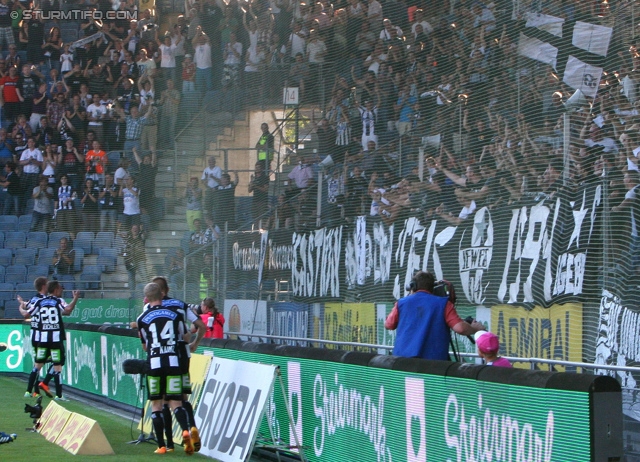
point(592, 38)
point(582, 76)
point(533, 48)
point(545, 22)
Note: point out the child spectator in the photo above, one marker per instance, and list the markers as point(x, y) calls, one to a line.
point(488, 346)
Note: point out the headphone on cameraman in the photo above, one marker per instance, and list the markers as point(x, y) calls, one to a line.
point(413, 285)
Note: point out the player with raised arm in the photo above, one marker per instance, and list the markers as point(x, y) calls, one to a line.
point(50, 310)
point(160, 329)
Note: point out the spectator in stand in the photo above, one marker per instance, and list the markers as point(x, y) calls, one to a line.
point(188, 75)
point(302, 174)
point(108, 200)
point(9, 92)
point(97, 113)
point(11, 182)
point(148, 170)
point(135, 257)
point(6, 149)
point(63, 258)
point(122, 172)
point(130, 195)
point(405, 109)
point(42, 205)
point(212, 318)
point(232, 55)
point(211, 177)
point(298, 73)
point(95, 161)
point(31, 161)
point(202, 60)
point(56, 110)
point(265, 146)
point(259, 186)
point(71, 164)
point(89, 204)
point(28, 84)
point(224, 204)
point(65, 213)
point(168, 57)
point(170, 105)
point(193, 195)
point(44, 134)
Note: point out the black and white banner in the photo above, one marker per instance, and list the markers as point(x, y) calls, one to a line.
point(575, 49)
point(539, 253)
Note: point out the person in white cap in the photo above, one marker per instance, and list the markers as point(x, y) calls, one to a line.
point(488, 345)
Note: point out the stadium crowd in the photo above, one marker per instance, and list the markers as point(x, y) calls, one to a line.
point(389, 78)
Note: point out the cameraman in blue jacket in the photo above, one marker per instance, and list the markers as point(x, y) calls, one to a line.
point(423, 321)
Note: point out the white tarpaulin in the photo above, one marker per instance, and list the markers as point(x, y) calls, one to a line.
point(231, 407)
point(537, 49)
point(592, 38)
point(546, 23)
point(582, 76)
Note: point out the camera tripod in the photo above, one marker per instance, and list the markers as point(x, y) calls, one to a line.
point(142, 437)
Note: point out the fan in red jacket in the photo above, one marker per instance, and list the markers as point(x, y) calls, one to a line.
point(212, 318)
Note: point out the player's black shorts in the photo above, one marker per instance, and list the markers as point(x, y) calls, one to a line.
point(55, 351)
point(165, 383)
point(184, 357)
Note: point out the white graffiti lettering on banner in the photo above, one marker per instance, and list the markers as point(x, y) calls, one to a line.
point(84, 356)
point(526, 249)
point(489, 436)
point(368, 254)
point(339, 407)
point(316, 263)
point(617, 342)
point(232, 413)
point(405, 258)
point(572, 263)
point(289, 323)
point(246, 258)
point(280, 256)
point(474, 260)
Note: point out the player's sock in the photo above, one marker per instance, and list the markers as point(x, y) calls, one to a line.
point(32, 379)
point(56, 380)
point(168, 425)
point(49, 376)
point(158, 427)
point(181, 417)
point(191, 421)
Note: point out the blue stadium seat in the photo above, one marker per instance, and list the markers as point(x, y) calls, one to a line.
point(11, 310)
point(69, 283)
point(15, 240)
point(25, 290)
point(6, 292)
point(25, 257)
point(24, 223)
point(107, 260)
point(37, 239)
point(1, 239)
point(78, 260)
point(90, 278)
point(36, 271)
point(84, 241)
point(103, 240)
point(45, 257)
point(15, 274)
point(9, 223)
point(54, 238)
point(6, 257)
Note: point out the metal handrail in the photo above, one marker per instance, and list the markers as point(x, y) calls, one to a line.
point(533, 361)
